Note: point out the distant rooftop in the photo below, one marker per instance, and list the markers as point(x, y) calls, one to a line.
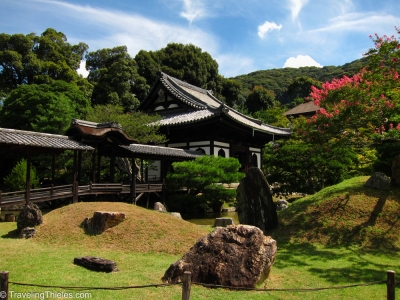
point(307, 108)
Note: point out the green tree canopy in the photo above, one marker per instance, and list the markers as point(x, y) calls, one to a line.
point(260, 98)
point(201, 177)
point(135, 124)
point(32, 59)
point(300, 88)
point(44, 108)
point(113, 72)
point(185, 62)
point(273, 116)
point(16, 180)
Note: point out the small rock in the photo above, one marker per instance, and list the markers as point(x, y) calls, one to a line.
point(223, 222)
point(102, 220)
point(96, 264)
point(27, 233)
point(10, 218)
point(159, 207)
point(176, 215)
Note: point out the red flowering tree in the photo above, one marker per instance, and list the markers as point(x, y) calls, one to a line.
point(345, 137)
point(364, 107)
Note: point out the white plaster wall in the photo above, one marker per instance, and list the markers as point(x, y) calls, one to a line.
point(206, 149)
point(216, 149)
point(258, 158)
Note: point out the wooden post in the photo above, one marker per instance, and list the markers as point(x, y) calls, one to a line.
point(98, 167)
point(53, 167)
point(391, 285)
point(112, 166)
point(163, 191)
point(141, 170)
point(74, 183)
point(4, 285)
point(94, 165)
point(133, 186)
point(79, 166)
point(187, 280)
point(28, 177)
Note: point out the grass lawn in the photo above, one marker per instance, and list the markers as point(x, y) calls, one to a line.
point(148, 242)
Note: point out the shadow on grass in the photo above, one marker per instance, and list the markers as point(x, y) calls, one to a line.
point(13, 234)
point(340, 221)
point(352, 267)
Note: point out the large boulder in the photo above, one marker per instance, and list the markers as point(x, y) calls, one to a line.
point(396, 171)
point(30, 216)
point(378, 180)
point(102, 220)
point(254, 201)
point(237, 256)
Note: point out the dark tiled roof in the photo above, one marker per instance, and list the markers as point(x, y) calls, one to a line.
point(38, 139)
point(162, 151)
point(92, 133)
point(304, 108)
point(207, 106)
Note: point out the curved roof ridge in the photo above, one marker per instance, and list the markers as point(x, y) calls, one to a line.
point(173, 86)
point(257, 121)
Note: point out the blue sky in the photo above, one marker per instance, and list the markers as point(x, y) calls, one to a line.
point(242, 35)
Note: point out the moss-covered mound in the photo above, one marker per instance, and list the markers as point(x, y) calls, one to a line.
point(142, 231)
point(344, 214)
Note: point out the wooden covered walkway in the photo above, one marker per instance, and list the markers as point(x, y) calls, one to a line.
point(106, 139)
point(68, 191)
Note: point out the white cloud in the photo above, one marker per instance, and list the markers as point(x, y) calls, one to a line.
point(360, 22)
point(193, 10)
point(301, 61)
point(295, 6)
point(231, 65)
point(109, 28)
point(267, 27)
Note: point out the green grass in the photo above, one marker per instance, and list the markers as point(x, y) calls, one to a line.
point(48, 258)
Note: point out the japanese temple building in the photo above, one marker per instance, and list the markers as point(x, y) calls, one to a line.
point(194, 119)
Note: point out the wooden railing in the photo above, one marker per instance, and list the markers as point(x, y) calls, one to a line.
point(66, 191)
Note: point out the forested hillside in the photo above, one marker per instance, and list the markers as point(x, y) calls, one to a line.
point(278, 80)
